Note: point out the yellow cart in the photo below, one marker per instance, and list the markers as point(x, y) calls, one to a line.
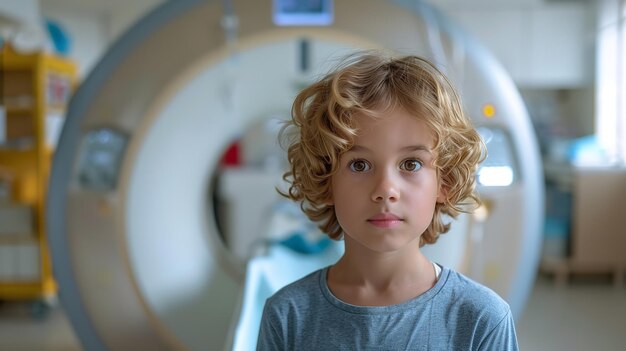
point(34, 92)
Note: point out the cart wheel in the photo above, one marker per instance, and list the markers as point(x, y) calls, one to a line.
point(39, 309)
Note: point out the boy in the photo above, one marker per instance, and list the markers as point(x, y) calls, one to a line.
point(383, 149)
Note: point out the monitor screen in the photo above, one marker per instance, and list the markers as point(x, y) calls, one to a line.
point(303, 12)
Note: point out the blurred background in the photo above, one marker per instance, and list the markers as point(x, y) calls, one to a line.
point(139, 162)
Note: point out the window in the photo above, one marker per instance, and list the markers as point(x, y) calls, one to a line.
point(611, 80)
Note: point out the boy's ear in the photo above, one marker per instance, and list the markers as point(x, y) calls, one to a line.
point(442, 194)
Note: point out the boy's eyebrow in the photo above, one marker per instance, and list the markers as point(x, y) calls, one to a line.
point(357, 148)
point(419, 147)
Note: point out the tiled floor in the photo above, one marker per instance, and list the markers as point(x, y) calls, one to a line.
point(580, 316)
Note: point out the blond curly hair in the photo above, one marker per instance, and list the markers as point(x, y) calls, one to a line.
point(322, 128)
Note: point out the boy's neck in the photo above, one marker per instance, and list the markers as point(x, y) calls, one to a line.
point(367, 278)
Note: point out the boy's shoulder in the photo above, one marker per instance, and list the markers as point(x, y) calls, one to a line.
point(472, 299)
point(303, 290)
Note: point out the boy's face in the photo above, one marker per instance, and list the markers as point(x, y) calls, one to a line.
point(386, 188)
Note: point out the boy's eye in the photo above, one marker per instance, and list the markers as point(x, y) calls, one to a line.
point(359, 166)
point(411, 165)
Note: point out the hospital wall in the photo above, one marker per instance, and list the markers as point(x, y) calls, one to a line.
point(92, 31)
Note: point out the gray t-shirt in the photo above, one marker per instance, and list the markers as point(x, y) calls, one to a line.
point(456, 314)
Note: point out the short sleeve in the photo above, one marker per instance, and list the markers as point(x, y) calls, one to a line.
point(269, 338)
point(502, 337)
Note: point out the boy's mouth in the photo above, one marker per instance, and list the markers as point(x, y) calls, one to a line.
point(385, 220)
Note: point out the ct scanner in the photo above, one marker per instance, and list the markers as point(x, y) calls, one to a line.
point(134, 242)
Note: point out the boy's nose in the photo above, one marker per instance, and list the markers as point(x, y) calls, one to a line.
point(385, 189)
